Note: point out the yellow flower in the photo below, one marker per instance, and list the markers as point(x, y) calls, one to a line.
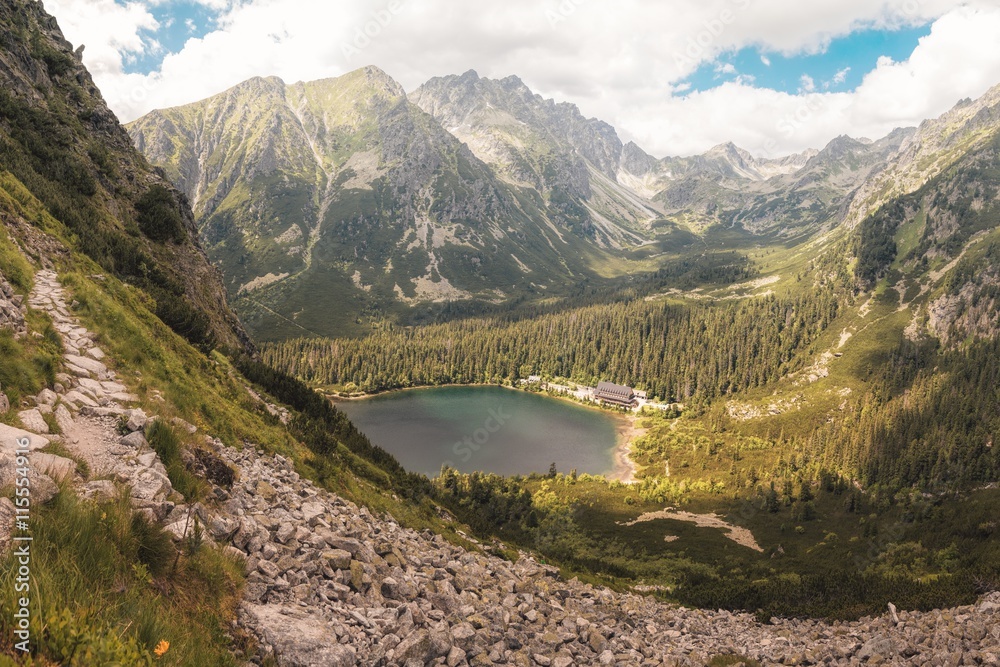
point(161, 648)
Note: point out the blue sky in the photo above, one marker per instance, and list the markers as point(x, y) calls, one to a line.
point(840, 67)
point(178, 23)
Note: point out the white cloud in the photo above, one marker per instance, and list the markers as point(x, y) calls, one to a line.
point(764, 59)
point(110, 32)
point(623, 65)
point(725, 68)
point(840, 77)
point(806, 84)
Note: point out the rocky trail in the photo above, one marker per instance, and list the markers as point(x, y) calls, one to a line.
point(329, 584)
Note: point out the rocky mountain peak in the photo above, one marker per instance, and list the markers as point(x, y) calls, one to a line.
point(379, 81)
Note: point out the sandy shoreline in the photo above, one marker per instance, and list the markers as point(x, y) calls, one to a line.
point(628, 431)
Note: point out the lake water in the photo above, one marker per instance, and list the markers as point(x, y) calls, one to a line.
point(490, 429)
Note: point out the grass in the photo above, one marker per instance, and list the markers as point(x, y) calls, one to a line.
point(167, 445)
point(103, 591)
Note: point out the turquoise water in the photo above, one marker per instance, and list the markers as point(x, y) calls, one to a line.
point(489, 429)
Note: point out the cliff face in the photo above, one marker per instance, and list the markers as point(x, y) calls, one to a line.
point(60, 140)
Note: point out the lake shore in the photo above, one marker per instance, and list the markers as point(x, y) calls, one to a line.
point(628, 431)
point(386, 392)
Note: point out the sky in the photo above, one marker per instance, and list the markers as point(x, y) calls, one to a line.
point(677, 77)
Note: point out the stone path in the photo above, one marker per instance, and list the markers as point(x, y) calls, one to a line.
point(90, 407)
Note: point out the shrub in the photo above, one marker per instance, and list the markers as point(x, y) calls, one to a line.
point(159, 216)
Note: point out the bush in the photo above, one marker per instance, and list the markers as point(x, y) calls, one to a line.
point(159, 216)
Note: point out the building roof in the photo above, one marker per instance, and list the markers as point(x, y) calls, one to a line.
point(616, 390)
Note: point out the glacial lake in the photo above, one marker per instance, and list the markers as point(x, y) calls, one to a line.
point(490, 429)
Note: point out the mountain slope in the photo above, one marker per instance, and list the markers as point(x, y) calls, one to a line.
point(935, 145)
point(322, 200)
point(59, 139)
point(539, 144)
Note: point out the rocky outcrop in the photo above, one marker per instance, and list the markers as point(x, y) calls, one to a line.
point(12, 310)
point(54, 114)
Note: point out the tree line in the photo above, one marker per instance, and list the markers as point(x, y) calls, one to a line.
point(673, 351)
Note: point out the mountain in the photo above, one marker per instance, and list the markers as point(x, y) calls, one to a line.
point(791, 197)
point(929, 151)
point(59, 140)
point(536, 143)
point(332, 205)
point(325, 200)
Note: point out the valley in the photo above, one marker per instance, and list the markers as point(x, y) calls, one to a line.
point(292, 359)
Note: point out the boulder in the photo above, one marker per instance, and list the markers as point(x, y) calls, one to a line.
point(33, 421)
point(56, 467)
point(298, 639)
point(64, 418)
point(10, 439)
point(136, 420)
point(92, 366)
point(135, 440)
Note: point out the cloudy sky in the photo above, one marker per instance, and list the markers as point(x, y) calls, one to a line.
point(677, 77)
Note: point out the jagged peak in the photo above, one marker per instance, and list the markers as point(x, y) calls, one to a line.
point(377, 78)
point(730, 150)
point(512, 81)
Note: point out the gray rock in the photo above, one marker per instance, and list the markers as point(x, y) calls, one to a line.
point(79, 398)
point(46, 397)
point(92, 366)
point(417, 646)
point(348, 544)
point(10, 439)
point(299, 640)
point(312, 510)
point(8, 515)
point(43, 489)
point(135, 440)
point(880, 646)
point(338, 559)
point(64, 419)
point(33, 421)
point(102, 489)
point(136, 420)
point(285, 532)
point(56, 467)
